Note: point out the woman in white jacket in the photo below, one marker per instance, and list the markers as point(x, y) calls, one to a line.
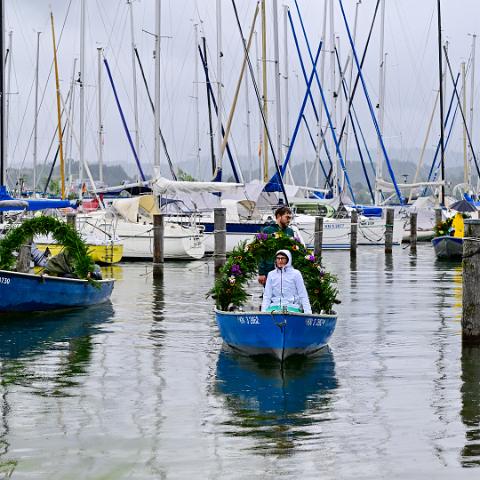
point(285, 288)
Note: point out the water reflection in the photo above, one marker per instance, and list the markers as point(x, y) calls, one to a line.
point(389, 262)
point(46, 354)
point(278, 407)
point(112, 271)
point(25, 336)
point(470, 411)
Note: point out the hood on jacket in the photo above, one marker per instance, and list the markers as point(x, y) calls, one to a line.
point(288, 255)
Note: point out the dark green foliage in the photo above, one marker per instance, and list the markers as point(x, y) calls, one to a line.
point(63, 234)
point(230, 287)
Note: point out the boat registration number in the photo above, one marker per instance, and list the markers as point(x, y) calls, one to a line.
point(315, 322)
point(4, 280)
point(249, 320)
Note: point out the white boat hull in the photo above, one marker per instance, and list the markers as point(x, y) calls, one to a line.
point(179, 242)
point(336, 231)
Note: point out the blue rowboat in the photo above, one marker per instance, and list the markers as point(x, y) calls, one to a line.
point(448, 247)
point(275, 333)
point(25, 292)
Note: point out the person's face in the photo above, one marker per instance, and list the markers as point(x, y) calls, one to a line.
point(284, 220)
point(281, 261)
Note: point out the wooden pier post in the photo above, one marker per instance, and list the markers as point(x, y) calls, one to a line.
point(318, 237)
point(353, 233)
point(158, 247)
point(72, 220)
point(24, 257)
point(220, 237)
point(471, 275)
point(389, 230)
point(438, 216)
point(413, 233)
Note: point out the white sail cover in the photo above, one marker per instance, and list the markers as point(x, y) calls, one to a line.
point(389, 187)
point(162, 186)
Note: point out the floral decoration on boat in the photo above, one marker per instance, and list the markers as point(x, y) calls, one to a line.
point(230, 292)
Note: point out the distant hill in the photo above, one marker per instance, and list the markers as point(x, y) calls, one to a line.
point(112, 175)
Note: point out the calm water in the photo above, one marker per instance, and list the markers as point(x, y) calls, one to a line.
point(142, 388)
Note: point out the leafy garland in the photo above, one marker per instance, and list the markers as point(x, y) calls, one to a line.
point(229, 289)
point(63, 233)
point(444, 228)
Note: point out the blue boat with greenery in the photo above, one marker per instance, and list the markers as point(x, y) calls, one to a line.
point(30, 292)
point(278, 333)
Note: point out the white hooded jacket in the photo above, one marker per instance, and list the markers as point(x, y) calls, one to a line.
point(285, 287)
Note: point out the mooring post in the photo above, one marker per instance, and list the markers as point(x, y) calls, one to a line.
point(353, 232)
point(220, 237)
point(318, 237)
point(72, 220)
point(471, 275)
point(389, 230)
point(413, 233)
point(24, 257)
point(158, 248)
point(438, 216)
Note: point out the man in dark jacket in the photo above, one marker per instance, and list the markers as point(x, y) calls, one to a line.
point(283, 217)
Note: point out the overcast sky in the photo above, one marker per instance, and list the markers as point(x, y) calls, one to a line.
point(411, 73)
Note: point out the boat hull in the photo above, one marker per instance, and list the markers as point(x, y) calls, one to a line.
point(179, 243)
point(337, 231)
point(279, 334)
point(107, 254)
point(25, 292)
point(447, 247)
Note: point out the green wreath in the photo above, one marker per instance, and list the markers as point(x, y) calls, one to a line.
point(63, 234)
point(229, 290)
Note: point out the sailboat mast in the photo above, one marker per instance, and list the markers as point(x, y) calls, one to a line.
point(472, 99)
point(71, 114)
point(333, 104)
point(2, 97)
point(247, 125)
point(35, 126)
point(219, 86)
point(264, 82)
point(156, 163)
point(320, 106)
point(464, 140)
point(278, 106)
point(134, 80)
point(8, 95)
point(350, 75)
point(286, 137)
point(381, 107)
point(196, 99)
point(260, 123)
point(442, 133)
point(82, 95)
point(100, 120)
point(59, 113)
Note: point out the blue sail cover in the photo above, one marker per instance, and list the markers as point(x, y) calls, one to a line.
point(31, 205)
point(273, 184)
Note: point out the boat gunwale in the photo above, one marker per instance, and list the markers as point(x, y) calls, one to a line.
point(50, 277)
point(296, 314)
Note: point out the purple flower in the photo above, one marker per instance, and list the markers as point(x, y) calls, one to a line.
point(262, 236)
point(321, 271)
point(310, 258)
point(236, 270)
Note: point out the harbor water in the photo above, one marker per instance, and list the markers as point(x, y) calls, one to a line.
point(142, 387)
